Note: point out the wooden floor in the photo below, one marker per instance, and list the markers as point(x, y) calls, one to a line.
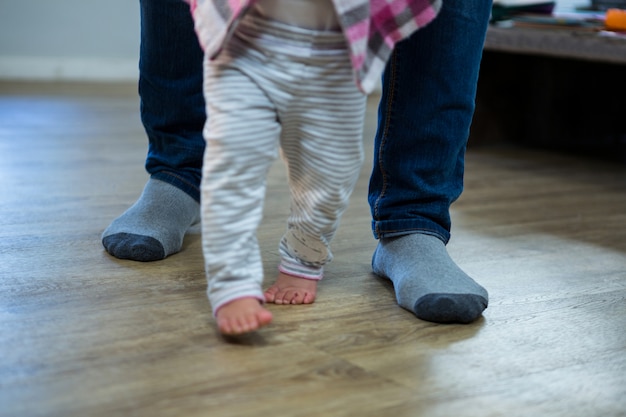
point(84, 334)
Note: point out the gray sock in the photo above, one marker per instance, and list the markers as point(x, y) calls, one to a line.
point(154, 226)
point(427, 281)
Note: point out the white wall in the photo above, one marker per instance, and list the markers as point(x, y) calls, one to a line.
point(77, 39)
point(69, 39)
point(568, 5)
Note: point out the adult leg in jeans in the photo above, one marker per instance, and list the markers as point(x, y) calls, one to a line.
point(173, 115)
point(429, 87)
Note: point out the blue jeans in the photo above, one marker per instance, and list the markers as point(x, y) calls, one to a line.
point(170, 88)
point(425, 112)
point(429, 87)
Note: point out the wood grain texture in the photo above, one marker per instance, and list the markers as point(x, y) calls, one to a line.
point(84, 334)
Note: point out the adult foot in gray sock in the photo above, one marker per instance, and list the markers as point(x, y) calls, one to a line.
point(152, 228)
point(427, 281)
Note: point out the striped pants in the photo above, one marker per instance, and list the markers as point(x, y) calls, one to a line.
point(276, 88)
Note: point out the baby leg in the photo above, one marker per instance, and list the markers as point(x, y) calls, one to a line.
point(241, 316)
point(242, 142)
point(289, 289)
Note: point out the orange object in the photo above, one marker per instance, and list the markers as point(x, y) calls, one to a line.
point(615, 19)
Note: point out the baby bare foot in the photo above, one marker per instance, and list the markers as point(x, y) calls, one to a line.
point(241, 316)
point(291, 290)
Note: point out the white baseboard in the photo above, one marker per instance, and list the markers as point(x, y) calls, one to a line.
point(379, 88)
point(75, 69)
point(68, 69)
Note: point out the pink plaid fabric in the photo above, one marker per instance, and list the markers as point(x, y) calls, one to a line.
point(371, 27)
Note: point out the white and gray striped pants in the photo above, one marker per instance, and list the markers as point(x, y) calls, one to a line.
point(276, 87)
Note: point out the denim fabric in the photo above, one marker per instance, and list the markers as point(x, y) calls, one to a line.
point(170, 88)
point(429, 87)
point(425, 112)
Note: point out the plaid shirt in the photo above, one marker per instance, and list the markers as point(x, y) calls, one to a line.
point(371, 27)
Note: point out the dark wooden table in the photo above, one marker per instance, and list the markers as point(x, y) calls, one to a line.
point(559, 42)
point(552, 88)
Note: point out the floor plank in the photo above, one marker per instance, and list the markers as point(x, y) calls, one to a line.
point(84, 334)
